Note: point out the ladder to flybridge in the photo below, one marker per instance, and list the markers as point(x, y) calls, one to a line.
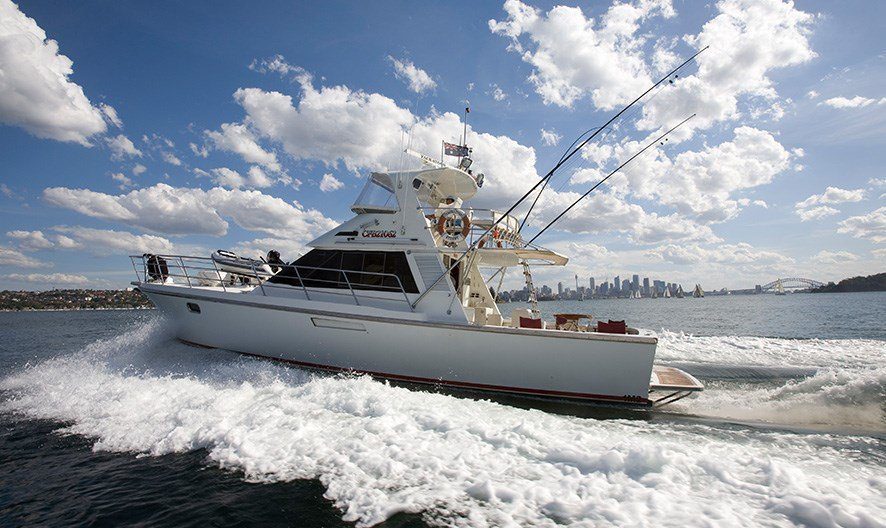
point(533, 298)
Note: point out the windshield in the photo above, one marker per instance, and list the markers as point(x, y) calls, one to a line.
point(377, 195)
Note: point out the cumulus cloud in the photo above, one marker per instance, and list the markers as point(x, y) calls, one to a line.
point(109, 241)
point(47, 278)
point(124, 181)
point(275, 64)
point(29, 240)
point(704, 182)
point(13, 257)
point(364, 131)
point(225, 177)
point(36, 92)
point(550, 138)
point(237, 138)
point(337, 124)
point(814, 207)
point(833, 195)
point(748, 39)
point(330, 124)
point(330, 183)
point(871, 226)
point(853, 102)
point(573, 56)
point(182, 210)
point(834, 257)
point(415, 78)
point(95, 241)
point(607, 212)
point(139, 169)
point(816, 213)
point(122, 147)
point(733, 254)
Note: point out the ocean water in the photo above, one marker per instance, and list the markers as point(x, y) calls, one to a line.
point(106, 420)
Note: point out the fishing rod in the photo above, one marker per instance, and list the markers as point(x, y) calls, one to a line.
point(551, 172)
point(601, 182)
point(566, 157)
point(531, 207)
point(548, 177)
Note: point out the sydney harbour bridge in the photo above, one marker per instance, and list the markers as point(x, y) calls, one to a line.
point(792, 283)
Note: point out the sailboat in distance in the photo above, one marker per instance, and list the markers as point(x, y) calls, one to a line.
point(698, 293)
point(779, 288)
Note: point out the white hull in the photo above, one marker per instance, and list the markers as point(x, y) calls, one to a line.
point(401, 346)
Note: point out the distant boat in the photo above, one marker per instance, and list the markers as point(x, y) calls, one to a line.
point(654, 294)
point(635, 294)
point(698, 291)
point(667, 293)
point(779, 288)
point(679, 293)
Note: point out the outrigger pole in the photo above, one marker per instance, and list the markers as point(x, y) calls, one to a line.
point(551, 172)
point(601, 182)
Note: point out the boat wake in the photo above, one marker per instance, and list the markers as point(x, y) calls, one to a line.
point(817, 383)
point(380, 449)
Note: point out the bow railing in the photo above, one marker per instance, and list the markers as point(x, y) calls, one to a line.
point(204, 272)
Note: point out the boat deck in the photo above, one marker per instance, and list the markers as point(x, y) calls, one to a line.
point(673, 379)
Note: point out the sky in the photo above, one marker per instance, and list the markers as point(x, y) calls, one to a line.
point(166, 127)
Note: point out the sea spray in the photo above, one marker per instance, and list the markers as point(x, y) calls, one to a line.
point(380, 449)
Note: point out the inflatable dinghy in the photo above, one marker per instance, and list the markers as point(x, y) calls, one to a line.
point(230, 262)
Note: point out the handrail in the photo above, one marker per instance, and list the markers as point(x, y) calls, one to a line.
point(507, 232)
point(203, 264)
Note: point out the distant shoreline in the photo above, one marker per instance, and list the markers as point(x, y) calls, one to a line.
point(6, 310)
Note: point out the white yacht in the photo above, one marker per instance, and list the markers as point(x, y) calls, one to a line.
point(397, 292)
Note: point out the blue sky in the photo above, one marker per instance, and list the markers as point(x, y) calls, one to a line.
point(128, 127)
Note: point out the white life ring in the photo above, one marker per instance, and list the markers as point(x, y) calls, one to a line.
point(453, 226)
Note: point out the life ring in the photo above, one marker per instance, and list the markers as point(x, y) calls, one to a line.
point(453, 226)
point(494, 236)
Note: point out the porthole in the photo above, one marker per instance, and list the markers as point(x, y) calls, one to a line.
point(193, 308)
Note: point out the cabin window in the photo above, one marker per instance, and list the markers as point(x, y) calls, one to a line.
point(335, 262)
point(377, 196)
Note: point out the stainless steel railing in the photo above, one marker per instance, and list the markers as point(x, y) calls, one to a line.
point(194, 272)
point(505, 235)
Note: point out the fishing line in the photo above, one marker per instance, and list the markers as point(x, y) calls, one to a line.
point(659, 87)
point(601, 182)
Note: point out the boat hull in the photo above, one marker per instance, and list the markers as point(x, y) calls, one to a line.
point(536, 363)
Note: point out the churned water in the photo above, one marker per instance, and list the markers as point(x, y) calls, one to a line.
point(104, 419)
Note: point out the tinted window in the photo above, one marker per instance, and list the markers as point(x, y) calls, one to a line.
point(356, 267)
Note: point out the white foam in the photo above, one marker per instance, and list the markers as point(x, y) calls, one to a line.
point(778, 352)
point(831, 399)
point(380, 450)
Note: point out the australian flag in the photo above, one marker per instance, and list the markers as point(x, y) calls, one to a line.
point(451, 149)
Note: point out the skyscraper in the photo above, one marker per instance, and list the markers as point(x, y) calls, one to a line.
point(592, 285)
point(616, 284)
point(560, 289)
point(646, 291)
point(635, 282)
